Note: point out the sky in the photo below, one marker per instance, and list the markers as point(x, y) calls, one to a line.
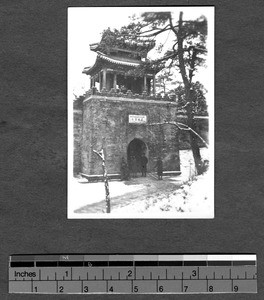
point(85, 25)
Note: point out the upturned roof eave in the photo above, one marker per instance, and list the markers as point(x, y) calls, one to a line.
point(115, 60)
point(101, 57)
point(96, 68)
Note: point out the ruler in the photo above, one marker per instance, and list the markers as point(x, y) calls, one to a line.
point(133, 273)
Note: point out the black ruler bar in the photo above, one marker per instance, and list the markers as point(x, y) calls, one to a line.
point(96, 263)
point(170, 263)
point(219, 263)
point(121, 263)
point(146, 263)
point(21, 264)
point(244, 263)
point(46, 263)
point(70, 263)
point(195, 263)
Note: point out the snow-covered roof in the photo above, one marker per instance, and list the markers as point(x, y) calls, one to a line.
point(129, 62)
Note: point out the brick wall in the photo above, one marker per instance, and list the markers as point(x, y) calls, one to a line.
point(105, 124)
point(116, 137)
point(77, 138)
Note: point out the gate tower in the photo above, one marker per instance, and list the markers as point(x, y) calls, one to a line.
point(117, 111)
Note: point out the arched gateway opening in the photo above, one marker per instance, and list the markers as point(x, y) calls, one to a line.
point(136, 148)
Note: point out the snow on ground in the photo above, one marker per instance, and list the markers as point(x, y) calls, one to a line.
point(191, 198)
point(81, 194)
point(186, 195)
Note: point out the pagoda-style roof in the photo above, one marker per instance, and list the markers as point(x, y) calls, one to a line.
point(121, 56)
point(117, 63)
point(111, 61)
point(133, 49)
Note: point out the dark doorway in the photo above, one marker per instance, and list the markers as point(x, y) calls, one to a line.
point(135, 150)
point(134, 84)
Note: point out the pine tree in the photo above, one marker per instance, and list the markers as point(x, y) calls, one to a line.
point(186, 53)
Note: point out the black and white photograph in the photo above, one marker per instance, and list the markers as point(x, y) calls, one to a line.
point(131, 144)
point(141, 112)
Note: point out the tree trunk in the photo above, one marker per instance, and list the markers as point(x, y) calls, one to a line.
point(107, 193)
point(193, 138)
point(189, 100)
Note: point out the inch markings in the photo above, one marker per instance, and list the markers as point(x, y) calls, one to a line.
point(179, 274)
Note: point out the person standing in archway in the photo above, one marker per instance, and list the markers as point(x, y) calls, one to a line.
point(124, 170)
point(159, 167)
point(144, 162)
point(133, 166)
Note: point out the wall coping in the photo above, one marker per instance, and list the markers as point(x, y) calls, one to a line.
point(195, 117)
point(121, 99)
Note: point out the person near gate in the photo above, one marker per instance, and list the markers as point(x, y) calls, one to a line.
point(159, 166)
point(133, 166)
point(144, 162)
point(124, 170)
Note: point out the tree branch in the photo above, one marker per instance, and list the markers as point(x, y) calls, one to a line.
point(154, 33)
point(159, 29)
point(172, 27)
point(181, 51)
point(180, 126)
point(174, 45)
point(166, 57)
point(192, 65)
point(99, 153)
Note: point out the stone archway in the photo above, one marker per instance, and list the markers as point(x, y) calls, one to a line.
point(135, 150)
